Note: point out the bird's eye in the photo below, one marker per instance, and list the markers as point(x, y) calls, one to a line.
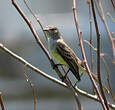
point(52, 29)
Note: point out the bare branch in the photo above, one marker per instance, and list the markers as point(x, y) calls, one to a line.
point(113, 3)
point(36, 18)
point(32, 29)
point(54, 80)
point(20, 59)
point(67, 80)
point(84, 56)
point(90, 22)
point(101, 54)
point(106, 68)
point(110, 16)
point(108, 79)
point(100, 9)
point(1, 102)
point(32, 87)
point(98, 57)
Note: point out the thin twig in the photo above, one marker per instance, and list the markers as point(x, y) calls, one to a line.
point(67, 81)
point(113, 3)
point(91, 54)
point(95, 49)
point(1, 102)
point(32, 87)
point(98, 57)
point(110, 16)
point(36, 18)
point(54, 80)
point(90, 21)
point(106, 68)
point(101, 54)
point(108, 79)
point(84, 56)
point(31, 29)
point(101, 12)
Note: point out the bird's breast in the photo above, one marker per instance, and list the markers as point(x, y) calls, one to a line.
point(52, 47)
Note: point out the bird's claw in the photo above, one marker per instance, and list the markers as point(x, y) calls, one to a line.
point(63, 78)
point(56, 65)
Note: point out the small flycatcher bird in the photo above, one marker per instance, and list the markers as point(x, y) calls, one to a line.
point(62, 53)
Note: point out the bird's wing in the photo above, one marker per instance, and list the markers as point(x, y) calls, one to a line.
point(69, 56)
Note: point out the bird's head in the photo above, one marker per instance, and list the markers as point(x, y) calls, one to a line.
point(52, 31)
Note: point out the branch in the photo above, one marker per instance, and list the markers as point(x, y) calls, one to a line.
point(98, 56)
point(90, 21)
point(106, 68)
point(108, 79)
point(31, 86)
point(31, 29)
point(101, 54)
point(84, 56)
point(113, 3)
point(110, 16)
point(67, 80)
point(1, 102)
point(54, 80)
point(90, 38)
point(101, 13)
point(36, 18)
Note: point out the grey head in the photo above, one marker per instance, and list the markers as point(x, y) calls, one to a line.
point(52, 32)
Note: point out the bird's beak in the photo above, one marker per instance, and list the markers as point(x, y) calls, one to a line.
point(45, 32)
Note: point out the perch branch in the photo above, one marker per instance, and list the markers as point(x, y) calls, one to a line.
point(54, 80)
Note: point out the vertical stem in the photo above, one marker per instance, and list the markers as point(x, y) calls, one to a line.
point(108, 78)
point(91, 54)
point(84, 56)
point(106, 27)
point(98, 56)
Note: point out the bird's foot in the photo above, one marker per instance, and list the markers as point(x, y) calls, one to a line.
point(56, 65)
point(63, 78)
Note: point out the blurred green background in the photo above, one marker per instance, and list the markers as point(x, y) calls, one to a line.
point(15, 34)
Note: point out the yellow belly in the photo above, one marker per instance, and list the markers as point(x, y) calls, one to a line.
point(59, 59)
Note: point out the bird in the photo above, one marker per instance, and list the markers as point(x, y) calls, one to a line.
point(62, 53)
